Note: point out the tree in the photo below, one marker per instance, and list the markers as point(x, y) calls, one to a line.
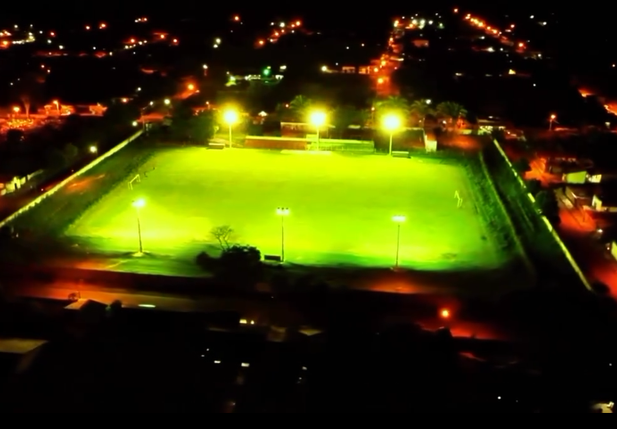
point(120, 113)
point(393, 103)
point(284, 113)
point(241, 265)
point(452, 112)
point(421, 109)
point(201, 127)
point(188, 126)
point(55, 159)
point(70, 152)
point(223, 234)
point(300, 107)
point(345, 116)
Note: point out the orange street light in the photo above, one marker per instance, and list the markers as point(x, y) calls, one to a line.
point(445, 313)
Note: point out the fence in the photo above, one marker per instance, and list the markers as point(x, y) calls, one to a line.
point(308, 142)
point(534, 228)
point(60, 185)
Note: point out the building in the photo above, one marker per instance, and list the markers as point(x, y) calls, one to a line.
point(10, 183)
point(580, 195)
point(605, 201)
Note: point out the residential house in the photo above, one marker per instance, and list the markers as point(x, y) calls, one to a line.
point(10, 183)
point(581, 195)
point(605, 200)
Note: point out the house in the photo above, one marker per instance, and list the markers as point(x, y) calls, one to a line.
point(601, 175)
point(605, 200)
point(575, 177)
point(10, 183)
point(580, 195)
point(18, 354)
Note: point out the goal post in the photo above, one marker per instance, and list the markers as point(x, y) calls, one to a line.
point(459, 199)
point(136, 179)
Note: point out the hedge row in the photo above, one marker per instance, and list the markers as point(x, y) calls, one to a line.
point(489, 208)
point(551, 264)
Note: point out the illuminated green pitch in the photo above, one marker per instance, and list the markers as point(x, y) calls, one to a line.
point(341, 209)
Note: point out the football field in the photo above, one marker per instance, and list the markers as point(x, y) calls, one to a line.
point(340, 209)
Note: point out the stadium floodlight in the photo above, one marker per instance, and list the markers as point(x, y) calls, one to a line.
point(318, 119)
point(391, 123)
point(282, 212)
point(138, 204)
point(399, 219)
point(230, 117)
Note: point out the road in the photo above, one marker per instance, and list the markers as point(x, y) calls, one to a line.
point(255, 312)
point(131, 299)
point(579, 233)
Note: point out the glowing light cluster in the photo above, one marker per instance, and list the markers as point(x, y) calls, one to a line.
point(279, 30)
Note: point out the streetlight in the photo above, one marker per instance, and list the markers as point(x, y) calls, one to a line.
point(191, 87)
point(399, 219)
point(138, 204)
point(57, 103)
point(551, 120)
point(167, 101)
point(230, 117)
point(93, 149)
point(282, 212)
point(391, 123)
point(318, 118)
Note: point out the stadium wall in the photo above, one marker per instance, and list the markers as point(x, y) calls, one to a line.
point(60, 185)
point(552, 258)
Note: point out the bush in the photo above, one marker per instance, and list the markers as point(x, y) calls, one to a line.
point(205, 261)
point(239, 265)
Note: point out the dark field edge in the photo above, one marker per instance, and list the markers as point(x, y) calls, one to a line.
point(488, 205)
point(55, 214)
point(551, 265)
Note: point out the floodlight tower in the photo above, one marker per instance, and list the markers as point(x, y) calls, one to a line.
point(318, 119)
point(391, 123)
point(138, 204)
point(282, 212)
point(399, 219)
point(230, 117)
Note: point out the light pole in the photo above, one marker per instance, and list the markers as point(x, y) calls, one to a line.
point(391, 123)
point(230, 117)
point(138, 204)
point(318, 119)
point(57, 103)
point(282, 212)
point(551, 120)
point(399, 219)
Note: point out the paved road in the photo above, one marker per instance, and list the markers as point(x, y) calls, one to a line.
point(257, 312)
point(167, 302)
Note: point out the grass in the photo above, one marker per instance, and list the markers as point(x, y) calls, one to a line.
point(339, 229)
point(341, 210)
